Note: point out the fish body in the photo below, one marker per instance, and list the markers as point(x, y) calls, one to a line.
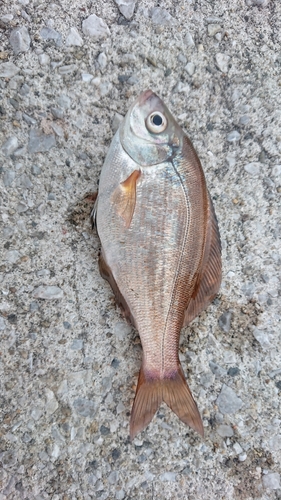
point(160, 248)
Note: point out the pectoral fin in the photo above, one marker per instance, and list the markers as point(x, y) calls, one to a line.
point(209, 278)
point(124, 198)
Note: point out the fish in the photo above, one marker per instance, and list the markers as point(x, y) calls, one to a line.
point(160, 248)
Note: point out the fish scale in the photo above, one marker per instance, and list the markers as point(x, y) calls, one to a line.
point(160, 248)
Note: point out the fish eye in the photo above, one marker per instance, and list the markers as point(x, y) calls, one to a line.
point(156, 122)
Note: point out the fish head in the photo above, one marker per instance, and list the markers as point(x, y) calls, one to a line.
point(149, 133)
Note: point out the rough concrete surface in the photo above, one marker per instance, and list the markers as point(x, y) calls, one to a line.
point(69, 362)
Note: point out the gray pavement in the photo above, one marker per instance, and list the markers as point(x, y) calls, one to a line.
point(69, 362)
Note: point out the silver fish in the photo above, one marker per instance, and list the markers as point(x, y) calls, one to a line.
point(161, 248)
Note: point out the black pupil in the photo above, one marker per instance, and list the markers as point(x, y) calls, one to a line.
point(157, 120)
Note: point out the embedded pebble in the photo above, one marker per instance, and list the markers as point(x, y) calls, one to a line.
point(190, 68)
point(95, 27)
point(10, 146)
point(40, 142)
point(77, 345)
point(189, 40)
point(213, 29)
point(28, 119)
point(51, 34)
point(74, 38)
point(162, 17)
point(217, 370)
point(7, 18)
point(12, 256)
point(2, 323)
point(126, 7)
point(87, 77)
point(271, 481)
point(228, 401)
point(44, 59)
point(117, 120)
point(51, 404)
point(84, 407)
point(233, 136)
point(237, 448)
point(252, 168)
point(8, 70)
point(102, 60)
point(242, 457)
point(168, 476)
point(8, 177)
point(48, 292)
point(244, 120)
point(276, 171)
point(224, 430)
point(261, 337)
point(222, 61)
point(113, 477)
point(224, 321)
point(20, 40)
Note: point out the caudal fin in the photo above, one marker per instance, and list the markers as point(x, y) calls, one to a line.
point(174, 391)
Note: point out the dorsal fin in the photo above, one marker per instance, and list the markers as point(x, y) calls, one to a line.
point(209, 278)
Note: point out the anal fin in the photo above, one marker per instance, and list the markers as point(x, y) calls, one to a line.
point(209, 278)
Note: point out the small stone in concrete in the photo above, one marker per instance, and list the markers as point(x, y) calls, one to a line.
point(271, 481)
point(44, 59)
point(95, 27)
point(252, 168)
point(2, 323)
point(8, 177)
point(102, 60)
point(161, 16)
point(222, 61)
point(276, 171)
point(51, 404)
point(233, 136)
point(189, 40)
point(190, 68)
point(84, 407)
point(228, 401)
point(35, 170)
point(40, 142)
point(261, 337)
point(7, 18)
point(217, 370)
point(8, 70)
point(244, 120)
point(213, 29)
point(126, 7)
point(168, 476)
point(51, 34)
point(20, 40)
point(86, 77)
point(224, 430)
point(73, 38)
point(10, 146)
point(113, 477)
point(77, 345)
point(48, 292)
point(237, 448)
point(28, 119)
point(224, 321)
point(64, 101)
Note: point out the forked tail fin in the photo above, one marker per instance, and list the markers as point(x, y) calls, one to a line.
point(174, 391)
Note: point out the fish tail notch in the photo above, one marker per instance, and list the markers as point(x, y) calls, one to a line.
point(174, 391)
point(178, 397)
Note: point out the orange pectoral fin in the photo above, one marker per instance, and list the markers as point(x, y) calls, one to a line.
point(124, 198)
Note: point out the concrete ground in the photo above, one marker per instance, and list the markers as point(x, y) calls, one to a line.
point(69, 362)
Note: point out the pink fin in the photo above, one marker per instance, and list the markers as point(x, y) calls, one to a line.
point(174, 391)
point(209, 279)
point(124, 198)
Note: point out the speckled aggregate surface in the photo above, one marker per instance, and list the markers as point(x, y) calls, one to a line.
point(69, 362)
